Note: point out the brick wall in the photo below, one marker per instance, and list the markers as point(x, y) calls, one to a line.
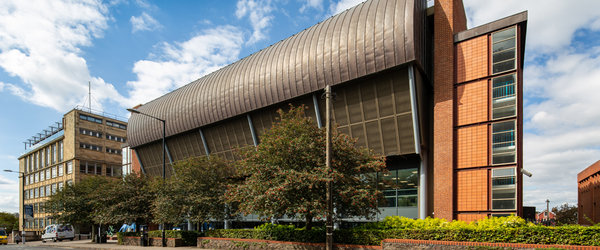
point(589, 195)
point(449, 19)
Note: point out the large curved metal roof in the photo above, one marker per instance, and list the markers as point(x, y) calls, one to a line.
point(368, 38)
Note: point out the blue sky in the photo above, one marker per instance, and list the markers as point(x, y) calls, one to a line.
point(133, 51)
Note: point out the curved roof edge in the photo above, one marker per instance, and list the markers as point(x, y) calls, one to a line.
point(370, 37)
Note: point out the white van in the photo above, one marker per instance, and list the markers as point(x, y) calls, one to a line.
point(58, 232)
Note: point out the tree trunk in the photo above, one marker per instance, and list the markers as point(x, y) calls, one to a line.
point(309, 222)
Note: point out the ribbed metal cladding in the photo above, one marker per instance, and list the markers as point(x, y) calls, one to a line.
point(371, 37)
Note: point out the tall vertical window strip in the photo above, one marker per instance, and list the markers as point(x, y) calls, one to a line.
point(503, 142)
point(504, 50)
point(54, 154)
point(25, 164)
point(504, 189)
point(61, 153)
point(48, 156)
point(504, 99)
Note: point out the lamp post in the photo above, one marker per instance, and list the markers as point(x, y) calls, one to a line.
point(164, 176)
point(22, 176)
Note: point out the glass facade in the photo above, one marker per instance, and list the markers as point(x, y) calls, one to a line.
point(504, 189)
point(504, 50)
point(400, 191)
point(504, 149)
point(504, 96)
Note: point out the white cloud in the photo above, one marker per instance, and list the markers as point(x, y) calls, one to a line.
point(40, 44)
point(259, 14)
point(315, 4)
point(181, 63)
point(143, 22)
point(551, 24)
point(561, 86)
point(343, 5)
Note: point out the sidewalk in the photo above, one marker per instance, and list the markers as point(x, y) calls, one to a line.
point(87, 244)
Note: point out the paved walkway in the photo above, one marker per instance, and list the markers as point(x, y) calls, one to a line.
point(87, 244)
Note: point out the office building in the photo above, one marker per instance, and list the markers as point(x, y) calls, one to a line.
point(442, 102)
point(83, 143)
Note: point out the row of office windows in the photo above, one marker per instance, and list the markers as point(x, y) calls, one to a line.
point(44, 157)
point(44, 191)
point(96, 168)
point(113, 151)
point(99, 121)
point(90, 146)
point(98, 134)
point(50, 173)
point(39, 222)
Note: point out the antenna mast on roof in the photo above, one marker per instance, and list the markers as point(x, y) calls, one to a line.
point(90, 95)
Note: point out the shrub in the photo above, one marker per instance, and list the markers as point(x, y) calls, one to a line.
point(510, 229)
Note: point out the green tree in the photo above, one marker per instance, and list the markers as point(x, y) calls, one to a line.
point(195, 191)
point(78, 203)
point(129, 200)
point(286, 173)
point(565, 214)
point(9, 221)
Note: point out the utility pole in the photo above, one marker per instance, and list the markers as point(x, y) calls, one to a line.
point(329, 223)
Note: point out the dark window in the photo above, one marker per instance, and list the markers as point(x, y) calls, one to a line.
point(504, 50)
point(504, 147)
point(116, 125)
point(90, 118)
point(504, 189)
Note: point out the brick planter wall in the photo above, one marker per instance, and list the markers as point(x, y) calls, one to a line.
point(135, 241)
point(227, 243)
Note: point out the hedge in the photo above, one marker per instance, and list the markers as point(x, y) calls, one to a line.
point(189, 237)
point(120, 236)
point(508, 230)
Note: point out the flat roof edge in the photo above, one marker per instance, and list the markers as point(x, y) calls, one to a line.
point(492, 26)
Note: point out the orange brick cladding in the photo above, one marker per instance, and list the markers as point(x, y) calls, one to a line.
point(472, 59)
point(470, 217)
point(472, 146)
point(472, 102)
point(449, 19)
point(471, 190)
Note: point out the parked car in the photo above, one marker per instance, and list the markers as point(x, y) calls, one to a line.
point(58, 232)
point(3, 237)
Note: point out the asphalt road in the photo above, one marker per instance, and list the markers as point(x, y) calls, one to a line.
point(28, 247)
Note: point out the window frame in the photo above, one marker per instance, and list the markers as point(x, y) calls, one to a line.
point(515, 199)
point(492, 62)
point(515, 141)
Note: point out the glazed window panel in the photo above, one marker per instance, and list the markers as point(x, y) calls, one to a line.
point(399, 187)
point(504, 189)
point(504, 149)
point(504, 96)
point(504, 50)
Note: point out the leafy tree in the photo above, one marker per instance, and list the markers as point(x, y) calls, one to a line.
point(78, 204)
point(286, 173)
point(9, 221)
point(565, 214)
point(129, 200)
point(195, 191)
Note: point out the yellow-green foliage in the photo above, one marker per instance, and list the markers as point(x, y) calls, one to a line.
point(396, 222)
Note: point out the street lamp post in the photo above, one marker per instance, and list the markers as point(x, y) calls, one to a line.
point(164, 176)
point(22, 176)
